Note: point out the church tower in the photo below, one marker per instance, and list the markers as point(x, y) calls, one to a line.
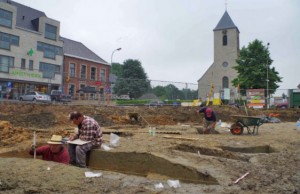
point(226, 51)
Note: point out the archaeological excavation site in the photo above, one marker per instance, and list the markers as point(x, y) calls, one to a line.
point(158, 150)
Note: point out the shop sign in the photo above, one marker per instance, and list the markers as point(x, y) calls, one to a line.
point(9, 85)
point(256, 98)
point(98, 83)
point(22, 73)
point(30, 52)
point(226, 94)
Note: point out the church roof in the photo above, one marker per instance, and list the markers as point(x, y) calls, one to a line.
point(225, 23)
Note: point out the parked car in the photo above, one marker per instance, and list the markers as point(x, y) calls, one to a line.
point(124, 97)
point(35, 97)
point(58, 96)
point(282, 105)
point(156, 103)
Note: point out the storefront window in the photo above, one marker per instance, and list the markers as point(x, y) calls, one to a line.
point(71, 89)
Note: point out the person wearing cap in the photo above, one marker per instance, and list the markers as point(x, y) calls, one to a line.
point(54, 151)
point(209, 120)
point(89, 131)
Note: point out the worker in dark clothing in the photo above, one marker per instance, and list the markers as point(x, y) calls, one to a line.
point(209, 120)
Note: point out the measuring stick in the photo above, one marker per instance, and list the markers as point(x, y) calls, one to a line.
point(34, 144)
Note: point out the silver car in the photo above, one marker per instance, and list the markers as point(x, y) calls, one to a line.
point(35, 97)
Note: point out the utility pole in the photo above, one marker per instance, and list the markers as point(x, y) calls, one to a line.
point(268, 77)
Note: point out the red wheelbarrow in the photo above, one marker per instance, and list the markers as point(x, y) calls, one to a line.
point(245, 122)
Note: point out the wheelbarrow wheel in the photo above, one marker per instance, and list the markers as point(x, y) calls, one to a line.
point(236, 129)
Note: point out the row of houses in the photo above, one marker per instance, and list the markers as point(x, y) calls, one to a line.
point(34, 56)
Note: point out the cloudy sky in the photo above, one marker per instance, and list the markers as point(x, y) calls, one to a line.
point(173, 39)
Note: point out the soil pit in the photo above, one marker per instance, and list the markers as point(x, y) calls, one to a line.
point(143, 164)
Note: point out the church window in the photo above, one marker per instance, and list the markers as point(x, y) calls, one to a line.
point(225, 82)
point(224, 37)
point(224, 40)
point(225, 64)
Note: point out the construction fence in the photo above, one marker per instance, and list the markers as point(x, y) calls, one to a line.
point(184, 91)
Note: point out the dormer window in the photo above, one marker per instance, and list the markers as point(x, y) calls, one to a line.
point(50, 31)
point(5, 18)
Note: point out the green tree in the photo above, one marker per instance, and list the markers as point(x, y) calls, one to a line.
point(253, 64)
point(284, 96)
point(116, 68)
point(133, 79)
point(172, 92)
point(190, 94)
point(159, 91)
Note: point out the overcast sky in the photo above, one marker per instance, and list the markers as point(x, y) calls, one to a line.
point(173, 39)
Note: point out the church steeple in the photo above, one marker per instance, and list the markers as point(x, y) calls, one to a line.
point(226, 51)
point(225, 23)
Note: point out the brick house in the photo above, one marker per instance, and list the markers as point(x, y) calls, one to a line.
point(83, 69)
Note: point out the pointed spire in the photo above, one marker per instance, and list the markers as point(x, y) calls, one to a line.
point(225, 23)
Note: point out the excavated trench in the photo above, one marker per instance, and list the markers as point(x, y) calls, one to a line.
point(250, 150)
point(143, 164)
point(140, 164)
point(234, 153)
point(147, 164)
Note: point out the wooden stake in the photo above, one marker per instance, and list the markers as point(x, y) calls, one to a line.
point(183, 138)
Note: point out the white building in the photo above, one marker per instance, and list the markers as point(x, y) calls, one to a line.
point(31, 52)
point(226, 51)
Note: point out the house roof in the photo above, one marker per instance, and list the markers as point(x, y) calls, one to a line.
point(25, 15)
point(78, 50)
point(225, 23)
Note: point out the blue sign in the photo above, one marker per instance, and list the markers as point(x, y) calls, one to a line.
point(108, 91)
point(9, 84)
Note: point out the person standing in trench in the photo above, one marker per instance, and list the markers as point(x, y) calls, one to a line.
point(54, 151)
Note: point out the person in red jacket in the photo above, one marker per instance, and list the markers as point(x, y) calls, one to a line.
point(209, 120)
point(54, 151)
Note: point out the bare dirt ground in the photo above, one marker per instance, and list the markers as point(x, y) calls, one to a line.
point(202, 163)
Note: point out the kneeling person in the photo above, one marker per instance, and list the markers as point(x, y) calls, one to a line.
point(209, 120)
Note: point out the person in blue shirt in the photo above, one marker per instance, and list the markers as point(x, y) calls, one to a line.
point(209, 120)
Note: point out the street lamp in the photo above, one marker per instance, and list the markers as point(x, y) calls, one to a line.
point(108, 93)
point(112, 54)
point(267, 77)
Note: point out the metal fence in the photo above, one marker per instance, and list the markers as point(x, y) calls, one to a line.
point(177, 90)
